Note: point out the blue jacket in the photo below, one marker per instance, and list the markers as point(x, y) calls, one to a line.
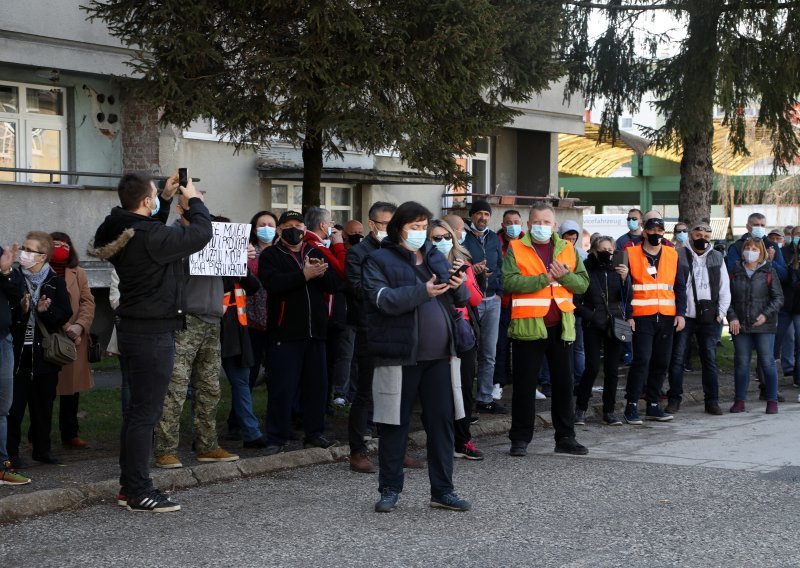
point(392, 292)
point(491, 250)
point(778, 262)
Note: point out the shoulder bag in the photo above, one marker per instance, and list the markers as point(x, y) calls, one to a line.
point(57, 348)
point(620, 328)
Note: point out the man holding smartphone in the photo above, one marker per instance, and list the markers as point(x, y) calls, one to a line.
point(147, 256)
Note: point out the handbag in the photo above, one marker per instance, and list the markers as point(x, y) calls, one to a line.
point(95, 351)
point(57, 348)
point(620, 328)
point(465, 337)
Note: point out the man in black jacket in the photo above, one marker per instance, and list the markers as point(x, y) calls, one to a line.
point(296, 278)
point(147, 255)
point(379, 216)
point(12, 289)
point(486, 250)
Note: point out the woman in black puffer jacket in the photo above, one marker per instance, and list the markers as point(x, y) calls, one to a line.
point(756, 298)
point(609, 294)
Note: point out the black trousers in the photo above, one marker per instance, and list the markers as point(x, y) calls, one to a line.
point(68, 416)
point(359, 410)
point(469, 369)
point(652, 350)
point(37, 392)
point(149, 358)
point(430, 380)
point(527, 358)
point(595, 340)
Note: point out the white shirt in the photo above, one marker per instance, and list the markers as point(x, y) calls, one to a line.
point(699, 273)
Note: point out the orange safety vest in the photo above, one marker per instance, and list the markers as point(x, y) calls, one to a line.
point(237, 298)
point(537, 304)
point(653, 295)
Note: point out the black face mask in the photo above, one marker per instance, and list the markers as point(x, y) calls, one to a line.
point(354, 239)
point(292, 236)
point(604, 256)
point(700, 244)
point(653, 239)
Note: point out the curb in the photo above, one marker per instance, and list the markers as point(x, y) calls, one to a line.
point(19, 507)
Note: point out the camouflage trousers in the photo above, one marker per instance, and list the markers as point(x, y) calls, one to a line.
point(197, 361)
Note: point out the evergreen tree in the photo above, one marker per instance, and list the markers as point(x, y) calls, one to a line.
point(419, 76)
point(735, 53)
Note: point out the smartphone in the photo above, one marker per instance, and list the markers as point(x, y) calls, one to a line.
point(463, 268)
point(619, 257)
point(183, 177)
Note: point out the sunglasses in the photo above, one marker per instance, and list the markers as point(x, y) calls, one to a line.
point(438, 238)
point(633, 219)
point(702, 228)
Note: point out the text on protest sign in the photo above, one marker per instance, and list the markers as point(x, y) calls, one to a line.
point(225, 254)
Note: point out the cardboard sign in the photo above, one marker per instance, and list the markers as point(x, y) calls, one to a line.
point(225, 254)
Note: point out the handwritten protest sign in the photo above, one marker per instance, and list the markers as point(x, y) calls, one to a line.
point(225, 254)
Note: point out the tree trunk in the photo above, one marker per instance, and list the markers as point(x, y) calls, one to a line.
point(697, 120)
point(312, 169)
point(697, 178)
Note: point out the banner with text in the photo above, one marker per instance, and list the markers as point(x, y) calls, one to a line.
point(225, 254)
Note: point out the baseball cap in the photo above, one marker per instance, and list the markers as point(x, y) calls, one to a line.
point(653, 223)
point(289, 216)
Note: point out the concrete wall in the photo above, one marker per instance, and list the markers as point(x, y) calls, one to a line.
point(55, 34)
point(230, 181)
point(549, 112)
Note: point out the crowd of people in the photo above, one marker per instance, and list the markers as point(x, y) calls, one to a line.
point(410, 308)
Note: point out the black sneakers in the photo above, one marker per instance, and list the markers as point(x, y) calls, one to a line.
point(654, 412)
point(153, 502)
point(519, 449)
point(491, 408)
point(570, 446)
point(450, 501)
point(580, 417)
point(319, 442)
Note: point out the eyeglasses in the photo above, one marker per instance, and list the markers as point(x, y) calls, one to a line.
point(438, 238)
point(705, 228)
point(684, 231)
point(26, 249)
point(379, 224)
point(633, 219)
point(61, 244)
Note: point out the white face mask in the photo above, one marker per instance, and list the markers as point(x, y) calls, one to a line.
point(750, 255)
point(380, 235)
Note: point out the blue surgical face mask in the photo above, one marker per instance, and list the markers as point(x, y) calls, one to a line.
point(758, 232)
point(796, 240)
point(541, 233)
point(415, 239)
point(513, 231)
point(462, 238)
point(265, 234)
point(476, 229)
point(633, 225)
point(682, 236)
point(154, 212)
point(330, 230)
point(444, 246)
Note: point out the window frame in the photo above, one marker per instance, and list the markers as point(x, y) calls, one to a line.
point(326, 195)
point(26, 122)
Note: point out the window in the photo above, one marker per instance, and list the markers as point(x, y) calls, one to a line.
point(33, 130)
point(626, 122)
point(478, 166)
point(338, 199)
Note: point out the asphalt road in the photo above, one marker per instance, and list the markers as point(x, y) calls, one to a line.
point(701, 491)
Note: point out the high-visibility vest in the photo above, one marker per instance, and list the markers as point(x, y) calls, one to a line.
point(653, 295)
point(237, 297)
point(537, 304)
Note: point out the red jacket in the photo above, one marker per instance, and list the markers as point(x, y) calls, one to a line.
point(505, 301)
point(335, 255)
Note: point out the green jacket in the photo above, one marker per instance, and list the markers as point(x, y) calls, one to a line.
point(577, 281)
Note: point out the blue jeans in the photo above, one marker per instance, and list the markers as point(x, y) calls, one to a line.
point(6, 391)
point(707, 343)
point(743, 345)
point(578, 354)
point(489, 322)
point(241, 398)
point(784, 347)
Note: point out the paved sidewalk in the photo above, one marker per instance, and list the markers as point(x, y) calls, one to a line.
point(79, 482)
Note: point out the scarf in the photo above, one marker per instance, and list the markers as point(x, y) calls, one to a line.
point(34, 281)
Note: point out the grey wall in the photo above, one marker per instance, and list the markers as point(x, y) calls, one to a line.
point(534, 163)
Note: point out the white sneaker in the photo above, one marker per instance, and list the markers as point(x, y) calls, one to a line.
point(539, 395)
point(497, 391)
point(339, 401)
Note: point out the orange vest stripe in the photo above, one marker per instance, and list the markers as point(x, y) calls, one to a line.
point(653, 295)
point(237, 298)
point(537, 304)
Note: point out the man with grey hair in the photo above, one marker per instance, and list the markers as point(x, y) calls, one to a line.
point(757, 227)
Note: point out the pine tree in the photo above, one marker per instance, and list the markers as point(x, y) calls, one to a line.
point(419, 76)
point(735, 53)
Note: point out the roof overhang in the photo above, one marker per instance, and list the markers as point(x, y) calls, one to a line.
point(351, 175)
